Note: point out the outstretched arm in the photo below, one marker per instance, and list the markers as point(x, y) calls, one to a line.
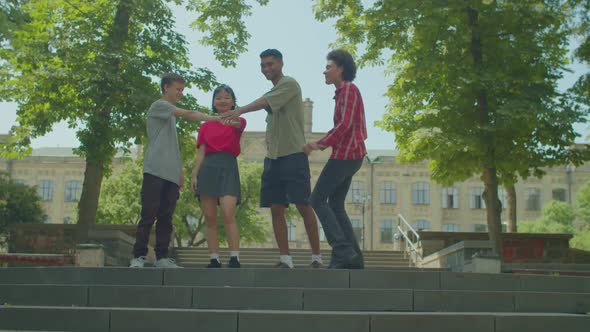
point(258, 104)
point(194, 115)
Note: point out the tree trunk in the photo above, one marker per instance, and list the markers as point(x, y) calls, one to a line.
point(511, 202)
point(493, 209)
point(88, 204)
point(487, 140)
point(95, 140)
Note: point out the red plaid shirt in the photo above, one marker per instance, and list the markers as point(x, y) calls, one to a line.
point(347, 138)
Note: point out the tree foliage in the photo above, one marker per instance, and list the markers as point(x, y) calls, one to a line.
point(558, 217)
point(581, 28)
point(94, 65)
point(475, 88)
point(11, 16)
point(222, 22)
point(19, 204)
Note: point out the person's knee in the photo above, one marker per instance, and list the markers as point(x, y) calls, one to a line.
point(317, 201)
point(337, 207)
point(229, 219)
point(277, 211)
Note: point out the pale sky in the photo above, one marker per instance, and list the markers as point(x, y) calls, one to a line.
point(304, 43)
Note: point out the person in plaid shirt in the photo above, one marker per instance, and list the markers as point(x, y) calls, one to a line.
point(347, 140)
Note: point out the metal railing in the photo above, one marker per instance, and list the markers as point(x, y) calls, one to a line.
point(412, 246)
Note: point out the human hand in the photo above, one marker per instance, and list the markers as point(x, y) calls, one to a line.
point(309, 147)
point(233, 115)
point(194, 183)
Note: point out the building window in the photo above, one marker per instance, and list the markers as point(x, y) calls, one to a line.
point(559, 195)
point(45, 190)
point(480, 228)
point(387, 231)
point(421, 193)
point(73, 191)
point(450, 228)
point(356, 192)
point(292, 231)
point(357, 227)
point(20, 181)
point(388, 194)
point(532, 198)
point(421, 224)
point(476, 200)
point(450, 198)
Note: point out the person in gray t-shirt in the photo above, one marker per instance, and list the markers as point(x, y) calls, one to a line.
point(162, 171)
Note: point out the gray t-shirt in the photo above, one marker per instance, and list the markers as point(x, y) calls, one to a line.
point(162, 158)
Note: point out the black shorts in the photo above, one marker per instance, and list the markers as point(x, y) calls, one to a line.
point(285, 180)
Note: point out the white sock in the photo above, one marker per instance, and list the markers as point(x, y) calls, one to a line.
point(215, 256)
point(287, 260)
point(235, 254)
point(316, 258)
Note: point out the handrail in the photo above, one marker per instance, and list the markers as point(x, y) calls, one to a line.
point(409, 226)
point(412, 244)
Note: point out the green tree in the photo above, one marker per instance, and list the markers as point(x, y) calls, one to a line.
point(581, 29)
point(581, 239)
point(19, 204)
point(120, 199)
point(558, 217)
point(583, 206)
point(475, 89)
point(11, 16)
point(92, 64)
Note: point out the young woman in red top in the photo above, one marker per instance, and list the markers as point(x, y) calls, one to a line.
point(215, 178)
point(347, 140)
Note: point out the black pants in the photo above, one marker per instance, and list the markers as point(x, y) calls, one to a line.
point(158, 201)
point(328, 201)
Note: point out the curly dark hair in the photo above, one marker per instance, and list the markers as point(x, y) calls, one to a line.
point(169, 78)
point(343, 59)
point(227, 89)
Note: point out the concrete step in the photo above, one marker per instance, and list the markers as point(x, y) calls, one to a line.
point(199, 257)
point(203, 261)
point(314, 299)
point(110, 319)
point(295, 278)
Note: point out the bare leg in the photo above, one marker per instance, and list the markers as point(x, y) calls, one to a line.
point(228, 210)
point(209, 207)
point(311, 227)
point(279, 226)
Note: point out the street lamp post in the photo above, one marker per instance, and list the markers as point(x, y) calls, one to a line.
point(362, 199)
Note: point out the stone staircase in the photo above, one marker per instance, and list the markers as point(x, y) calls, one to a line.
point(267, 257)
point(264, 299)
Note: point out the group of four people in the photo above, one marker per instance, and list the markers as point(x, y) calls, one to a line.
point(286, 176)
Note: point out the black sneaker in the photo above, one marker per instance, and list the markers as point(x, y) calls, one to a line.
point(215, 264)
point(234, 262)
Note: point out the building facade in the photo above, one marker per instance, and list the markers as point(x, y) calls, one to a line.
point(381, 191)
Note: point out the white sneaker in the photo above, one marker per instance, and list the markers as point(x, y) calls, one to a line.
point(167, 263)
point(138, 261)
